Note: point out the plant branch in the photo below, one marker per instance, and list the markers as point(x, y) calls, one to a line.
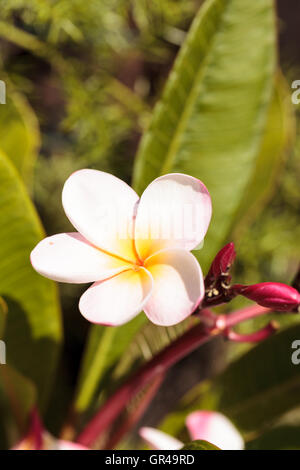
point(199, 334)
point(255, 337)
point(160, 363)
point(135, 416)
point(224, 322)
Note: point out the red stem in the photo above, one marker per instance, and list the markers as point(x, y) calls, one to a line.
point(188, 342)
point(231, 319)
point(255, 337)
point(184, 345)
point(136, 415)
point(36, 429)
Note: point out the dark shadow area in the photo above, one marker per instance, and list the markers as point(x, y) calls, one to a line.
point(31, 356)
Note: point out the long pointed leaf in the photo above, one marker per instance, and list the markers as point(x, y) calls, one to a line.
point(212, 114)
point(33, 325)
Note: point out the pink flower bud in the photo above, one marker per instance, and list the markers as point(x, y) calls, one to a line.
point(221, 264)
point(273, 295)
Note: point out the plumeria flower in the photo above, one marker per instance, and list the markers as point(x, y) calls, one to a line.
point(136, 251)
point(202, 425)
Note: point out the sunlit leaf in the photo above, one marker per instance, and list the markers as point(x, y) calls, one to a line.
point(212, 114)
point(33, 325)
point(3, 313)
point(277, 141)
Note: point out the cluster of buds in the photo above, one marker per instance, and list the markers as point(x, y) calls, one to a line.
point(218, 289)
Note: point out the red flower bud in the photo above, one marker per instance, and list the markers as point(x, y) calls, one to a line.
point(221, 264)
point(273, 295)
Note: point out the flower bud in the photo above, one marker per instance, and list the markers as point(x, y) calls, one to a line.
point(273, 295)
point(221, 264)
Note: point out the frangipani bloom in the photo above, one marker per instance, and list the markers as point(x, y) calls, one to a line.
point(202, 425)
point(136, 251)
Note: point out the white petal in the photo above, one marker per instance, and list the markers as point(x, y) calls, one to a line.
point(214, 428)
point(101, 207)
point(159, 440)
point(178, 286)
point(117, 300)
point(68, 257)
point(174, 212)
point(68, 445)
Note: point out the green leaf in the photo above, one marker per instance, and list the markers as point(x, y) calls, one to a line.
point(254, 390)
point(261, 385)
point(3, 313)
point(33, 324)
point(199, 445)
point(280, 438)
point(212, 114)
point(17, 394)
point(19, 134)
point(104, 348)
point(282, 434)
point(277, 141)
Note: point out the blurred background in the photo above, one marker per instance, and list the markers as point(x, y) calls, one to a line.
point(82, 79)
